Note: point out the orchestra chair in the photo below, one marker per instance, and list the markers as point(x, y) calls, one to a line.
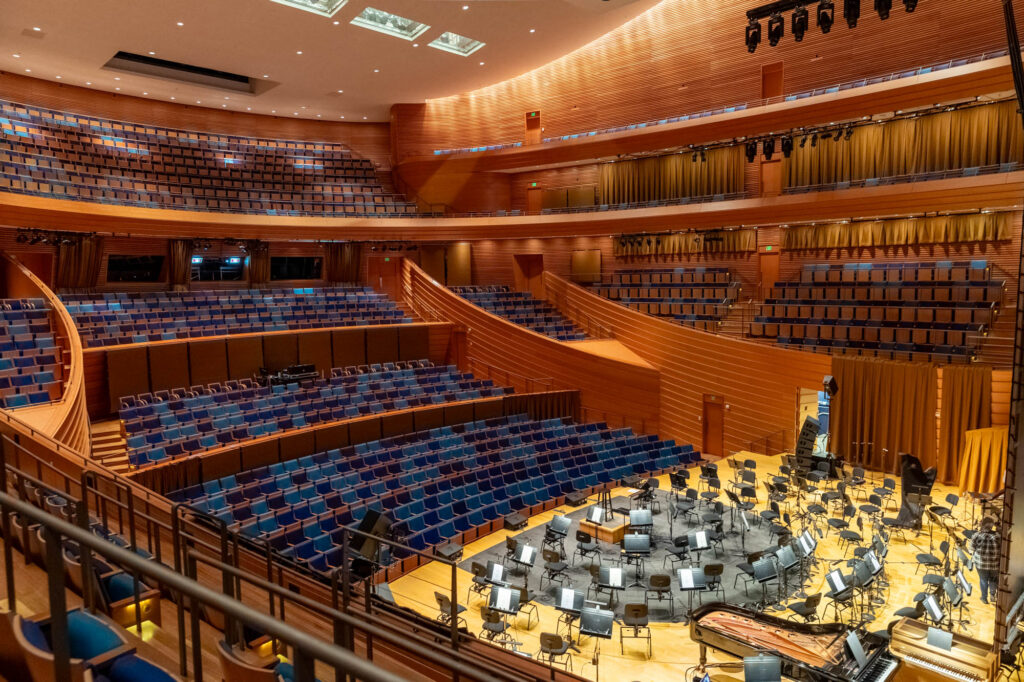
point(554, 541)
point(595, 586)
point(892, 526)
point(511, 545)
point(848, 538)
point(678, 552)
point(873, 507)
point(952, 500)
point(716, 514)
point(842, 523)
point(781, 530)
point(586, 548)
point(554, 568)
point(747, 571)
point(841, 602)
point(679, 480)
point(857, 480)
point(479, 583)
point(886, 491)
point(806, 609)
point(554, 650)
point(713, 581)
point(655, 504)
point(444, 604)
point(494, 626)
point(748, 498)
point(736, 467)
point(714, 489)
point(526, 605)
point(659, 585)
point(928, 560)
point(687, 505)
point(707, 472)
point(772, 514)
point(634, 619)
point(915, 612)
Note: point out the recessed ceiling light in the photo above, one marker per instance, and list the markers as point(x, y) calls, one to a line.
point(28, 70)
point(481, 63)
point(273, 111)
point(295, 113)
point(341, 117)
point(118, 89)
point(248, 108)
point(181, 23)
point(223, 105)
point(415, 44)
point(340, 91)
point(227, 98)
point(16, 56)
point(318, 115)
point(266, 76)
point(198, 102)
point(376, 70)
point(298, 52)
point(36, 28)
point(88, 82)
point(58, 77)
point(145, 93)
point(533, 30)
point(336, 23)
point(117, 78)
point(173, 97)
point(465, 7)
point(364, 118)
point(151, 52)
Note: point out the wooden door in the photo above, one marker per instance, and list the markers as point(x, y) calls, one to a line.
point(534, 129)
point(771, 80)
point(383, 274)
point(534, 199)
point(713, 421)
point(769, 271)
point(528, 273)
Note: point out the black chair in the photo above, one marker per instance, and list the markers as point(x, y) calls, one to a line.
point(444, 604)
point(634, 619)
point(494, 626)
point(842, 523)
point(715, 515)
point(659, 586)
point(586, 547)
point(479, 584)
point(687, 505)
point(952, 500)
point(713, 491)
point(747, 571)
point(874, 506)
point(916, 611)
point(849, 537)
point(806, 609)
point(713, 581)
point(554, 650)
point(554, 568)
point(771, 514)
point(887, 491)
point(678, 552)
point(511, 545)
point(527, 606)
point(841, 602)
point(930, 561)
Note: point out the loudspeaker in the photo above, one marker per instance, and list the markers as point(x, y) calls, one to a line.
point(808, 434)
point(576, 499)
point(830, 386)
point(515, 521)
point(374, 523)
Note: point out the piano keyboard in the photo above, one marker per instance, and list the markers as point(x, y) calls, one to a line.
point(943, 670)
point(878, 670)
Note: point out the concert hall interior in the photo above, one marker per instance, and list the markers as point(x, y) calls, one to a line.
point(540, 340)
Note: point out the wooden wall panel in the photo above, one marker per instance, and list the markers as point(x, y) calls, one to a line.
point(644, 70)
point(245, 357)
point(349, 347)
point(381, 344)
point(1001, 383)
point(280, 351)
point(396, 424)
point(315, 349)
point(208, 362)
point(128, 374)
point(413, 343)
point(168, 366)
point(459, 264)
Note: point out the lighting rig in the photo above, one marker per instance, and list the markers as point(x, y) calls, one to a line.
point(34, 237)
point(825, 15)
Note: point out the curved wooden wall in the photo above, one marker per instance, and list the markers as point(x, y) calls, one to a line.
point(758, 383)
point(618, 391)
point(970, 193)
point(65, 420)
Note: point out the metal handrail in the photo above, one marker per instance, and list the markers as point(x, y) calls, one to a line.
point(306, 648)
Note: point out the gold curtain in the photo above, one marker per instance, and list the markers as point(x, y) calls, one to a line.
point(78, 262)
point(983, 462)
point(341, 261)
point(966, 404)
point(180, 263)
point(544, 405)
point(672, 176)
point(976, 136)
point(974, 227)
point(886, 403)
point(259, 261)
point(677, 243)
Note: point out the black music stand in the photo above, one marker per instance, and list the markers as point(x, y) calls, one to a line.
point(611, 578)
point(806, 544)
point(691, 580)
point(787, 559)
point(596, 515)
point(641, 521)
point(764, 572)
point(496, 573)
point(932, 610)
point(597, 623)
point(698, 541)
point(569, 603)
point(524, 557)
point(636, 548)
point(504, 600)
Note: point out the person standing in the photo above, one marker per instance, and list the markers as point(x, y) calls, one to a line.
point(985, 547)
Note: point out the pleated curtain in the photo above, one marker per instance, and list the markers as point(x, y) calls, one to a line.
point(78, 263)
point(341, 261)
point(673, 176)
point(983, 460)
point(259, 262)
point(966, 405)
point(179, 263)
point(974, 227)
point(679, 243)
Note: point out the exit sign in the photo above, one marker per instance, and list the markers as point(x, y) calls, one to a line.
point(387, 259)
point(767, 248)
point(533, 184)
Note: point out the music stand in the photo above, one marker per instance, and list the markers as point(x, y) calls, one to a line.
point(569, 603)
point(932, 609)
point(805, 544)
point(762, 668)
point(524, 557)
point(787, 559)
point(597, 623)
point(698, 542)
point(636, 548)
point(595, 515)
point(964, 585)
point(764, 572)
point(641, 521)
point(504, 600)
point(495, 573)
point(691, 580)
point(940, 639)
point(611, 579)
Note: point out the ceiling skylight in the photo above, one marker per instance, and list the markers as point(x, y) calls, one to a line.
point(325, 8)
point(392, 24)
point(456, 44)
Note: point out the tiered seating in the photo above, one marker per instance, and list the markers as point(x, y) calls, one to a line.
point(177, 423)
point(435, 484)
point(111, 319)
point(930, 311)
point(697, 297)
point(523, 309)
point(55, 154)
point(29, 356)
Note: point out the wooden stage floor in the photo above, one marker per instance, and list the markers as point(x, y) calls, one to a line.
point(673, 650)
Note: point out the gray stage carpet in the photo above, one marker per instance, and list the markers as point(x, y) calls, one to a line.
point(757, 538)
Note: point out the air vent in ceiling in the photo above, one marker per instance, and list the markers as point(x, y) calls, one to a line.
point(183, 73)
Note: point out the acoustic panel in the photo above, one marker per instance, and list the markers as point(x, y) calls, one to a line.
point(208, 362)
point(396, 424)
point(382, 344)
point(127, 374)
point(168, 366)
point(221, 464)
point(260, 454)
point(348, 347)
point(315, 349)
point(364, 430)
point(245, 357)
point(428, 418)
point(458, 414)
point(280, 351)
point(489, 409)
point(413, 342)
point(331, 437)
point(297, 444)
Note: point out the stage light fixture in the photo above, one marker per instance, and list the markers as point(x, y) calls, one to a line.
point(768, 148)
point(751, 151)
point(883, 7)
point(826, 15)
point(803, 141)
point(753, 35)
point(851, 12)
point(849, 133)
point(839, 134)
point(776, 29)
point(814, 140)
point(703, 155)
point(787, 146)
point(911, 5)
point(799, 23)
point(694, 158)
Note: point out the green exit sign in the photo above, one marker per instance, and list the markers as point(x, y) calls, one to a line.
point(533, 113)
point(533, 184)
point(387, 259)
point(767, 248)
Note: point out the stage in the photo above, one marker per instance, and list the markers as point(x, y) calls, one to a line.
point(674, 653)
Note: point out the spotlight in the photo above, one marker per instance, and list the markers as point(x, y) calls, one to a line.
point(776, 29)
point(694, 159)
point(799, 23)
point(787, 146)
point(703, 156)
point(848, 134)
point(21, 238)
point(751, 151)
point(851, 12)
point(803, 141)
point(826, 15)
point(753, 35)
point(768, 148)
point(911, 5)
point(883, 7)
point(839, 133)
point(814, 140)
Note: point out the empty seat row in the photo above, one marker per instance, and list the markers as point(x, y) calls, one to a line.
point(523, 309)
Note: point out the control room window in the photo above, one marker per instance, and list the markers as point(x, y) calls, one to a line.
point(134, 268)
point(295, 267)
point(217, 268)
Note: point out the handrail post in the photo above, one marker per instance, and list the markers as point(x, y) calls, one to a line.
point(177, 549)
point(197, 649)
point(58, 605)
point(84, 553)
point(454, 608)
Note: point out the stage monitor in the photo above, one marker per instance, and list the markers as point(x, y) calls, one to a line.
point(692, 579)
point(525, 554)
point(495, 572)
point(595, 515)
point(698, 540)
point(787, 557)
point(764, 570)
point(596, 622)
point(560, 525)
point(504, 599)
point(932, 608)
point(856, 649)
point(610, 576)
point(940, 639)
point(641, 517)
point(569, 600)
point(635, 543)
point(964, 585)
point(835, 581)
point(762, 668)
